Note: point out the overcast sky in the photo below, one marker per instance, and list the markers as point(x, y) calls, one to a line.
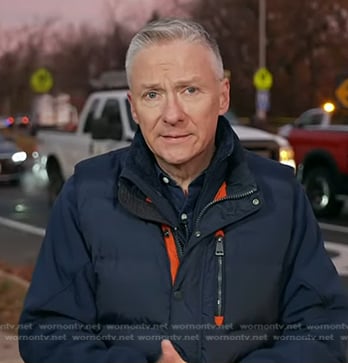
point(20, 12)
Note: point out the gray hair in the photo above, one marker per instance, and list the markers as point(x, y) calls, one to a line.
point(168, 30)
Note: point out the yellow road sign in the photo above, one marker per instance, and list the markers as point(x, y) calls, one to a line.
point(41, 81)
point(263, 79)
point(342, 93)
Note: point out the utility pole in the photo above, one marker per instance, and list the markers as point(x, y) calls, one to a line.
point(262, 33)
point(262, 77)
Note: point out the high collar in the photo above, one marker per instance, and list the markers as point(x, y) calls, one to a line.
point(140, 180)
point(140, 163)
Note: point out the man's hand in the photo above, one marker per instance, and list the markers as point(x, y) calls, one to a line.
point(169, 354)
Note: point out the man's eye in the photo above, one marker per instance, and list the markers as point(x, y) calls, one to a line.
point(151, 95)
point(191, 90)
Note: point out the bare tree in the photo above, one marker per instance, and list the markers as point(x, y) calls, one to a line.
point(304, 48)
point(73, 54)
point(20, 56)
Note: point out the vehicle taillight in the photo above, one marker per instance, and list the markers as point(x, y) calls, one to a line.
point(10, 121)
point(25, 120)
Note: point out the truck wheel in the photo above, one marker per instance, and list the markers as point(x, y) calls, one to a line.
point(321, 190)
point(55, 181)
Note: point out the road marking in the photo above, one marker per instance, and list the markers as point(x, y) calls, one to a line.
point(22, 226)
point(333, 227)
point(340, 261)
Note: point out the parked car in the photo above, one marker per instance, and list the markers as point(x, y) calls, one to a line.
point(22, 120)
point(6, 121)
point(11, 161)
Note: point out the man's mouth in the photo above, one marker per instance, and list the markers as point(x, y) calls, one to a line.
point(176, 136)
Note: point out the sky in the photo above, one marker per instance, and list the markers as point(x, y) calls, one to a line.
point(15, 13)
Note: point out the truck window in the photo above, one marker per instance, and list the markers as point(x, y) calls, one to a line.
point(90, 116)
point(315, 120)
point(310, 120)
point(111, 114)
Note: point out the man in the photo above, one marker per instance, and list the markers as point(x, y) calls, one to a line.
point(183, 247)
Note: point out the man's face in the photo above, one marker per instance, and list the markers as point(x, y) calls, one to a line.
point(176, 98)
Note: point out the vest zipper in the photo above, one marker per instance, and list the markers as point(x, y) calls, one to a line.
point(219, 253)
point(172, 238)
point(220, 250)
point(178, 242)
point(229, 197)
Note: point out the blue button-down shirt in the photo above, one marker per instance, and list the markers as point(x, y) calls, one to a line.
point(183, 203)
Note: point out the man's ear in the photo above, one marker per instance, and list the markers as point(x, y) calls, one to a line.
point(224, 96)
point(130, 100)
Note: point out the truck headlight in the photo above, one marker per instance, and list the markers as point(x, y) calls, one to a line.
point(287, 156)
point(19, 157)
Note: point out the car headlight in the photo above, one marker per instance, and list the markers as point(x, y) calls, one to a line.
point(19, 157)
point(287, 156)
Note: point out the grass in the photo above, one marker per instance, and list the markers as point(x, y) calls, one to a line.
point(12, 296)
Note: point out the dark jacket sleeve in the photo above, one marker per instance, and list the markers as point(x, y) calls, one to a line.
point(59, 320)
point(313, 305)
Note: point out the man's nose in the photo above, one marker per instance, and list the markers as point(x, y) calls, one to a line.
point(172, 110)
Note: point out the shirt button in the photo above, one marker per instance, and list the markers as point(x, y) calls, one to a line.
point(184, 217)
point(178, 295)
point(165, 180)
point(197, 234)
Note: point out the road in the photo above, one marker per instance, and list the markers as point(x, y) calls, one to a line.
point(24, 213)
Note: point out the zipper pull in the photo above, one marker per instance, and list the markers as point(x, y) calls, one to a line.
point(219, 248)
point(184, 221)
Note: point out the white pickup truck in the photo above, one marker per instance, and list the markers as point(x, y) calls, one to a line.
point(106, 124)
